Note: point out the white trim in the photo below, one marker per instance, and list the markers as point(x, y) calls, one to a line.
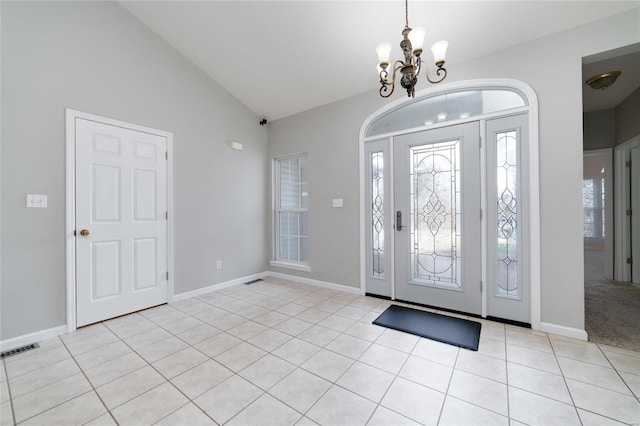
point(363, 209)
point(484, 255)
point(561, 330)
point(275, 209)
point(70, 203)
point(323, 284)
point(27, 339)
point(534, 170)
point(450, 123)
point(219, 286)
point(288, 265)
point(622, 245)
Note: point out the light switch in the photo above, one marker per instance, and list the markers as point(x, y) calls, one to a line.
point(338, 202)
point(37, 201)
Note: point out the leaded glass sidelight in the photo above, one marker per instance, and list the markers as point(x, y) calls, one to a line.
point(377, 214)
point(507, 217)
point(435, 214)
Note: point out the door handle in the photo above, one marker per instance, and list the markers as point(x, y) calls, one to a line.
point(84, 232)
point(399, 221)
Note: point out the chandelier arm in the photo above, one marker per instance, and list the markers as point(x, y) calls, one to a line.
point(440, 70)
point(384, 79)
point(418, 65)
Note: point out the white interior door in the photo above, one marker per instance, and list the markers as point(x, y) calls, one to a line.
point(121, 225)
point(437, 183)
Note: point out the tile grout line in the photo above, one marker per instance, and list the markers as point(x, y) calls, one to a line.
point(446, 393)
point(56, 381)
point(167, 380)
point(89, 381)
point(564, 379)
point(618, 373)
point(6, 375)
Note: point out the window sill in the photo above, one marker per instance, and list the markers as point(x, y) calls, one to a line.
point(296, 266)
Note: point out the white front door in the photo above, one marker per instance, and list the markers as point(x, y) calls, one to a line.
point(438, 252)
point(121, 225)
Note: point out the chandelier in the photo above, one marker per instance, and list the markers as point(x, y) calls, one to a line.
point(411, 46)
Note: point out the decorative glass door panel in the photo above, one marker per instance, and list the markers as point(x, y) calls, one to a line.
point(437, 189)
point(378, 223)
point(377, 214)
point(507, 292)
point(507, 213)
point(435, 234)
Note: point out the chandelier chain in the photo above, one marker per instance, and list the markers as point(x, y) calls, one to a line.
point(406, 13)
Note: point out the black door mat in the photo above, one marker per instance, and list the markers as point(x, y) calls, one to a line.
point(453, 331)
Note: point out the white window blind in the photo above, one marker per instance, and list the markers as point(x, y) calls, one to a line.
point(292, 210)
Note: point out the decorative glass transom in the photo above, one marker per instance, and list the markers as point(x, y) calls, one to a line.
point(507, 173)
point(435, 214)
point(377, 214)
point(445, 107)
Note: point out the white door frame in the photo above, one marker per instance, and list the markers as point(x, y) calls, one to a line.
point(70, 194)
point(622, 248)
point(533, 177)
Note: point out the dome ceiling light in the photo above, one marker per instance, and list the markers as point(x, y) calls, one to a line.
point(603, 80)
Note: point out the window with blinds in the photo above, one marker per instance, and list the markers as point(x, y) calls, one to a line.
point(291, 210)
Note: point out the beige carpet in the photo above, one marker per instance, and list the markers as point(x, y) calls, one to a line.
point(612, 309)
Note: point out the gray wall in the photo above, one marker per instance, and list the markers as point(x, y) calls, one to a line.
point(334, 130)
point(599, 129)
point(95, 57)
point(627, 123)
point(329, 135)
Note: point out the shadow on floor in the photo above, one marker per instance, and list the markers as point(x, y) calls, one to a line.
point(612, 308)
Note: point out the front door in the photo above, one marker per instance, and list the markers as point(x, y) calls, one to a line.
point(121, 225)
point(437, 218)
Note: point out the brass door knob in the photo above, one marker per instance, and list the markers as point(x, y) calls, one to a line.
point(84, 232)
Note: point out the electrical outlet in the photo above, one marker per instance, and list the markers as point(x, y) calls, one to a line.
point(219, 264)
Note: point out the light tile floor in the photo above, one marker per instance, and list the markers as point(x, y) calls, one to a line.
point(282, 353)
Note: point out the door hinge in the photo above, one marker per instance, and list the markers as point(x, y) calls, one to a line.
point(166, 155)
point(627, 163)
point(167, 275)
point(481, 286)
point(166, 215)
point(480, 142)
point(628, 212)
point(480, 214)
point(629, 261)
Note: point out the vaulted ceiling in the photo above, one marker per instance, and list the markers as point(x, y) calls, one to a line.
point(284, 57)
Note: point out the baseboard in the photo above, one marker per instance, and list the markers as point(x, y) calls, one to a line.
point(317, 283)
point(574, 333)
point(219, 286)
point(27, 339)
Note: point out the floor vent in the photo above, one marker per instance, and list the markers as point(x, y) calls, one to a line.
point(19, 350)
point(254, 281)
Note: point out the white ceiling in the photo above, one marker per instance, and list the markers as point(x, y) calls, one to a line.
point(284, 57)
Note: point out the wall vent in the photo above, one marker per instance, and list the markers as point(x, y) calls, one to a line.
point(19, 350)
point(254, 281)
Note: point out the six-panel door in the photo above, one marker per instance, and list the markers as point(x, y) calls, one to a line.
point(121, 204)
